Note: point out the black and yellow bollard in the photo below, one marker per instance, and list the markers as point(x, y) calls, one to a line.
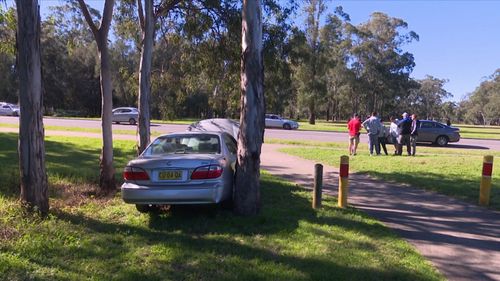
point(485, 187)
point(343, 181)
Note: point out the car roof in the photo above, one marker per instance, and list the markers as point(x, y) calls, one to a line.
point(191, 133)
point(132, 108)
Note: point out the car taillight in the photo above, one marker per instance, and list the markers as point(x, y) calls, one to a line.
point(207, 172)
point(134, 174)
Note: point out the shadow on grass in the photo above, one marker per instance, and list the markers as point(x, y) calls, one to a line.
point(210, 243)
point(71, 161)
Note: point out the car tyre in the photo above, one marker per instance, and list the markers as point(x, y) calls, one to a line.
point(287, 126)
point(131, 121)
point(15, 114)
point(146, 208)
point(442, 140)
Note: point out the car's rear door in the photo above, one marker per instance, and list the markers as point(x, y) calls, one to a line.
point(426, 132)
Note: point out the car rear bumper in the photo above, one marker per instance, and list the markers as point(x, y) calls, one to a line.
point(204, 194)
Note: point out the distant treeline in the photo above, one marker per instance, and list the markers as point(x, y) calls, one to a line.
point(312, 70)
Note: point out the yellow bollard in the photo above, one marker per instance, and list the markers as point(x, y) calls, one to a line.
point(485, 187)
point(343, 181)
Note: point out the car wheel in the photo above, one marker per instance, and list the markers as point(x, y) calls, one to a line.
point(287, 126)
point(15, 113)
point(442, 141)
point(145, 208)
point(131, 121)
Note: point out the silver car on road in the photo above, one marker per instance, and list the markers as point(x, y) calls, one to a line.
point(182, 168)
point(9, 109)
point(276, 121)
point(125, 115)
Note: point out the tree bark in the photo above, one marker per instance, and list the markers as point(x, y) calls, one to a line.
point(247, 186)
point(107, 172)
point(34, 186)
point(312, 113)
point(145, 78)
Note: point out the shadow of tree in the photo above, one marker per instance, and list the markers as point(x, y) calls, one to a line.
point(70, 161)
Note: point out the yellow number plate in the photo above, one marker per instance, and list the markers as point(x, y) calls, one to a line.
point(170, 175)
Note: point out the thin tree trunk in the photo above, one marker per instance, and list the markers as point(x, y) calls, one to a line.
point(107, 171)
point(34, 186)
point(145, 78)
point(247, 186)
point(312, 113)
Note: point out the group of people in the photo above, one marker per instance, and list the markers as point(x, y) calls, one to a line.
point(403, 132)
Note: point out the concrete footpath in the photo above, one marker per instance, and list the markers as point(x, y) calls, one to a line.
point(462, 240)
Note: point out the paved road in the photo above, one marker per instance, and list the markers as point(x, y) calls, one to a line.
point(462, 240)
point(270, 133)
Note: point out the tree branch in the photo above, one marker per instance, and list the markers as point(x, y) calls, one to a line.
point(88, 18)
point(141, 15)
point(165, 7)
point(107, 16)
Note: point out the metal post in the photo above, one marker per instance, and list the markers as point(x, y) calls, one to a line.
point(318, 186)
point(485, 187)
point(343, 181)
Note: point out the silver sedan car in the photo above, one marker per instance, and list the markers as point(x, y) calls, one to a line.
point(276, 121)
point(182, 168)
point(125, 115)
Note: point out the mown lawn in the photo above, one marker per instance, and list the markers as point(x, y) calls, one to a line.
point(91, 238)
point(455, 172)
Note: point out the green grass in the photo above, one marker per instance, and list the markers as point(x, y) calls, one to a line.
point(87, 238)
point(84, 130)
point(322, 125)
point(455, 172)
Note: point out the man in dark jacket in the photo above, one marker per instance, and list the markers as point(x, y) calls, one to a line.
point(404, 127)
point(415, 124)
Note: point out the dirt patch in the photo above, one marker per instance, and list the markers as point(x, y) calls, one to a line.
point(7, 233)
point(76, 195)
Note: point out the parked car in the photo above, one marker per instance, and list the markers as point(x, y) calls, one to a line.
point(276, 121)
point(9, 109)
point(182, 168)
point(437, 133)
point(125, 114)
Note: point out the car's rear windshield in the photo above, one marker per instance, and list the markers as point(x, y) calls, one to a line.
point(192, 144)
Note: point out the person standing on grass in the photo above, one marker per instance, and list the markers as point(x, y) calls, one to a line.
point(415, 124)
point(393, 133)
point(382, 136)
point(372, 126)
point(354, 126)
point(404, 129)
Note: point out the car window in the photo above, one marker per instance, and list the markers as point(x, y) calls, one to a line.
point(185, 144)
point(126, 110)
point(427, 125)
point(231, 144)
point(6, 106)
point(439, 125)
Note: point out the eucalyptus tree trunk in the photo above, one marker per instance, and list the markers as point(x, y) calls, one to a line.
point(247, 186)
point(34, 186)
point(107, 171)
point(145, 76)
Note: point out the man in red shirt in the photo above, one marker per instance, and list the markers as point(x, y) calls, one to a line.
point(354, 125)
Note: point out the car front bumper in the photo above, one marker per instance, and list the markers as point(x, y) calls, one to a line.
point(210, 192)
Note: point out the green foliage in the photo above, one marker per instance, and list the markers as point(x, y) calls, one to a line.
point(483, 105)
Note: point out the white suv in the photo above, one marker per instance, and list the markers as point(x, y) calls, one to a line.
point(9, 109)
